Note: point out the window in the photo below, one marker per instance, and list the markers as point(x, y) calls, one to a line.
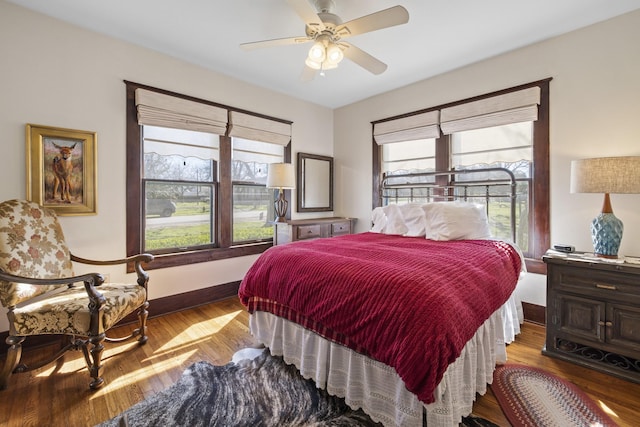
point(196, 174)
point(179, 185)
point(253, 207)
point(510, 147)
point(409, 156)
point(506, 129)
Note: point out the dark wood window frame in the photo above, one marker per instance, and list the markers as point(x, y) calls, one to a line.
point(223, 203)
point(539, 226)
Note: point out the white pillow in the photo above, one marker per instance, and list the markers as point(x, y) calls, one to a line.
point(414, 219)
point(395, 220)
point(456, 221)
point(379, 220)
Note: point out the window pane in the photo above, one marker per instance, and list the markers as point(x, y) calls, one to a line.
point(510, 147)
point(180, 155)
point(180, 141)
point(250, 160)
point(253, 212)
point(178, 168)
point(253, 204)
point(178, 216)
point(409, 156)
point(508, 143)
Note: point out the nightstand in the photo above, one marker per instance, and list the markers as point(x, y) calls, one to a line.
point(303, 229)
point(593, 313)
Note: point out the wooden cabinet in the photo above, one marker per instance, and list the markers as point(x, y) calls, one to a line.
point(301, 229)
point(593, 314)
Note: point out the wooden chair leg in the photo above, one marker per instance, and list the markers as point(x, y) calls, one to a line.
point(95, 366)
point(13, 358)
point(142, 319)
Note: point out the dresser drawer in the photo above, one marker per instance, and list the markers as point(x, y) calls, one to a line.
point(312, 228)
point(309, 232)
point(338, 228)
point(594, 283)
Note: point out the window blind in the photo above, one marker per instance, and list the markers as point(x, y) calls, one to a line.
point(256, 128)
point(415, 127)
point(157, 109)
point(513, 107)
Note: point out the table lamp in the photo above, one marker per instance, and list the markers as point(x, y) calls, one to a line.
point(281, 176)
point(606, 175)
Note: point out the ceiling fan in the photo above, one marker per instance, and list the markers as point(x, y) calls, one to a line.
point(326, 30)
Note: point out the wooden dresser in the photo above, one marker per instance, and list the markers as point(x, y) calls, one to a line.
point(302, 229)
point(593, 313)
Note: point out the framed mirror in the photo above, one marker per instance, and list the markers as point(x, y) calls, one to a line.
point(314, 183)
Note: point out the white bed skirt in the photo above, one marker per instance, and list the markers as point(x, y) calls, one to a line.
point(375, 387)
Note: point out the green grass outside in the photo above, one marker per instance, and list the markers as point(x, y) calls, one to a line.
point(199, 234)
point(253, 230)
point(177, 237)
point(192, 208)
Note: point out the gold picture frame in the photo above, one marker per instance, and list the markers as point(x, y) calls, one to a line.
point(61, 169)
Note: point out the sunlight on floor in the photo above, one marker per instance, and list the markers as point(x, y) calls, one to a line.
point(607, 410)
point(174, 353)
point(158, 367)
point(213, 326)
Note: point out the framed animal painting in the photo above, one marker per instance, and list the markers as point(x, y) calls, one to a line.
point(61, 169)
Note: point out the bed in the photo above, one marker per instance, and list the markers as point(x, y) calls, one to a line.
point(406, 321)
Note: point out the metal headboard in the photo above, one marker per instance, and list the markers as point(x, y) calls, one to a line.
point(489, 185)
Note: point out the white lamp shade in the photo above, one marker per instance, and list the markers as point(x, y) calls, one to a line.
point(617, 175)
point(317, 52)
point(334, 54)
point(281, 175)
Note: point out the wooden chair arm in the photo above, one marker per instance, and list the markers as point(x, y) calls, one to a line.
point(94, 278)
point(137, 260)
point(90, 280)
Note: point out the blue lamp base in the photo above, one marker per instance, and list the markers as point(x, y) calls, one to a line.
point(606, 234)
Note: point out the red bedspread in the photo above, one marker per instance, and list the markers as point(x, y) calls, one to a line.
point(408, 302)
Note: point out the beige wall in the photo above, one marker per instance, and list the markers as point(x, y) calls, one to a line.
point(55, 74)
point(595, 111)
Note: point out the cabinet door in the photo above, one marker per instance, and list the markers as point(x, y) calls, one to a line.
point(623, 328)
point(580, 317)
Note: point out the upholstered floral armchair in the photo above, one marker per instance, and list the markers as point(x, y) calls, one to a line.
point(43, 296)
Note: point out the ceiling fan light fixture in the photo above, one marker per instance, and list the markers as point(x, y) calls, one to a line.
point(326, 31)
point(313, 64)
point(334, 54)
point(317, 52)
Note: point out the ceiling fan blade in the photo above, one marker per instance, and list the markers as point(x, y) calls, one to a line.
point(363, 59)
point(308, 13)
point(376, 21)
point(308, 74)
point(275, 42)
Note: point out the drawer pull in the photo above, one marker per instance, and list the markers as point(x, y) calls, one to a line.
point(607, 287)
point(607, 324)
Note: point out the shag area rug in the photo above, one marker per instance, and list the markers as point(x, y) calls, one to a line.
point(533, 397)
point(263, 391)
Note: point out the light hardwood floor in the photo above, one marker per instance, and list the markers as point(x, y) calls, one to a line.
point(59, 396)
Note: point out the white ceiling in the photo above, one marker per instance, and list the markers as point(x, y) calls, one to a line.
point(441, 35)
